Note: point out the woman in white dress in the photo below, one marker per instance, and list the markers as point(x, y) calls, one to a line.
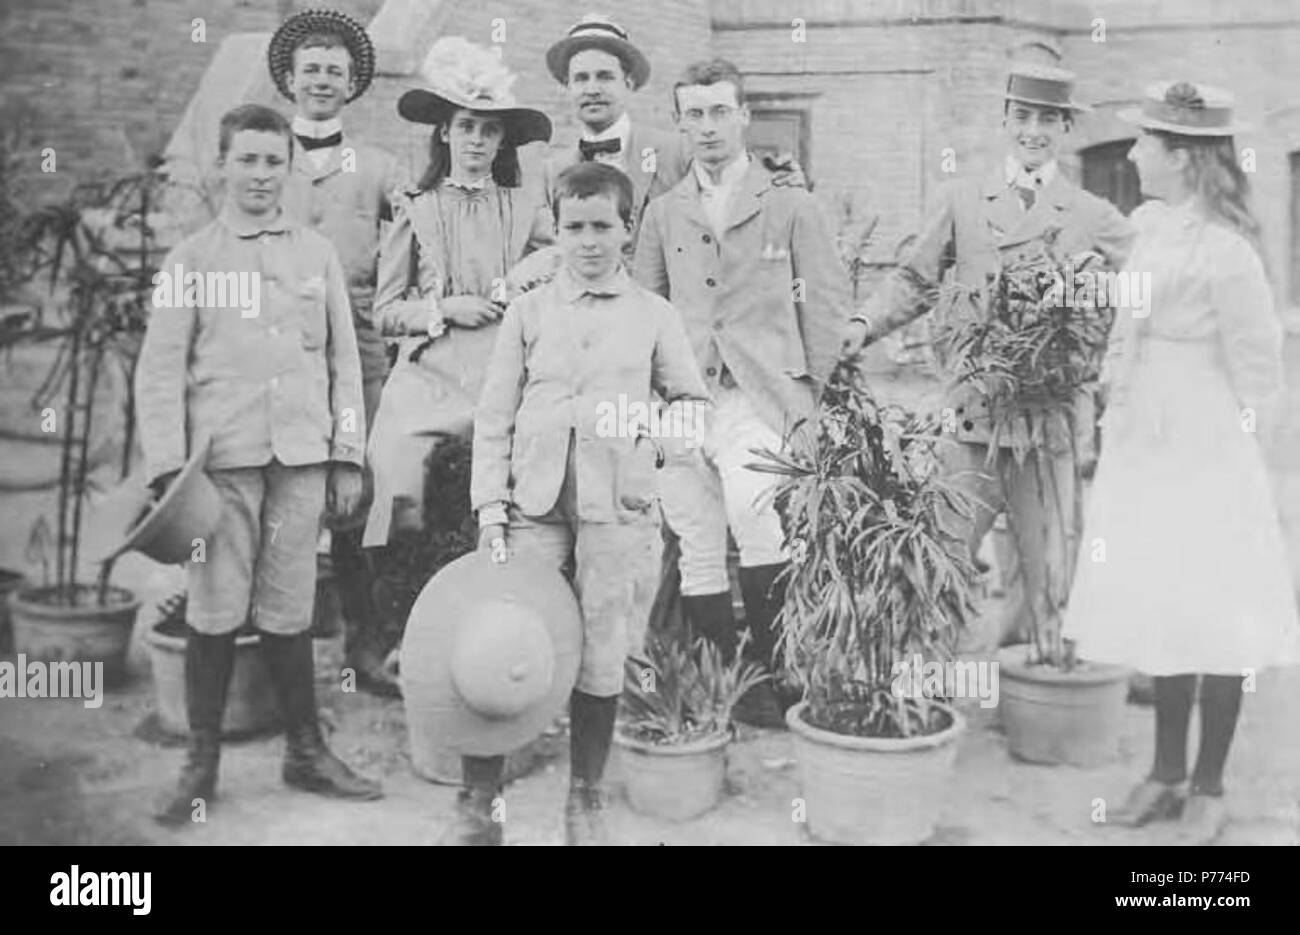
point(1182, 569)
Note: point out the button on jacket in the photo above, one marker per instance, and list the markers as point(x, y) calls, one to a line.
point(565, 354)
point(768, 301)
point(283, 384)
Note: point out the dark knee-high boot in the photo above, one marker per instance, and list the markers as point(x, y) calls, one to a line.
point(711, 616)
point(308, 762)
point(209, 662)
point(591, 731)
point(763, 594)
point(475, 822)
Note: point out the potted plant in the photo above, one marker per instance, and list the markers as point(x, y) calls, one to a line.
point(1033, 353)
point(102, 292)
point(877, 585)
point(677, 724)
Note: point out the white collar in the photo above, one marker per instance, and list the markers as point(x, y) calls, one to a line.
point(731, 173)
point(1016, 174)
point(316, 129)
point(620, 130)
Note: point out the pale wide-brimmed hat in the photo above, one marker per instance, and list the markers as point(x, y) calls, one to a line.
point(1186, 109)
point(189, 509)
point(279, 54)
point(490, 654)
point(460, 75)
point(1044, 85)
point(598, 32)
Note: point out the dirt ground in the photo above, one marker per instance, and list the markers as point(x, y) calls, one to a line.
point(69, 775)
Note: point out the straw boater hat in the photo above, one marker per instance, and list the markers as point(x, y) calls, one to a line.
point(279, 54)
point(189, 509)
point(458, 74)
point(598, 32)
point(1186, 109)
point(1044, 85)
point(490, 654)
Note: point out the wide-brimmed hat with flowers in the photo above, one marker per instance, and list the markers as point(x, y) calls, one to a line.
point(292, 32)
point(598, 32)
point(460, 75)
point(1186, 109)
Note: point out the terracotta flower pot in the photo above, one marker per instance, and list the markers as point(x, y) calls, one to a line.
point(84, 632)
point(10, 581)
point(673, 781)
point(873, 790)
point(251, 705)
point(1055, 717)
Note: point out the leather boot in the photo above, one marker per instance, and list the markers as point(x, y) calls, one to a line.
point(591, 722)
point(710, 616)
point(308, 762)
point(209, 662)
point(762, 705)
point(473, 823)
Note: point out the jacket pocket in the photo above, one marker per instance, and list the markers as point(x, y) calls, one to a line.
point(636, 474)
point(309, 305)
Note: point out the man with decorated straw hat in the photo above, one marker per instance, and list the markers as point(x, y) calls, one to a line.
point(980, 224)
point(323, 60)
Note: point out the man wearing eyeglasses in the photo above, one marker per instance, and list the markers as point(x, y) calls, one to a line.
point(754, 272)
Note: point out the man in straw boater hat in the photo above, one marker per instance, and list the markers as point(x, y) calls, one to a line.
point(980, 224)
point(323, 60)
point(600, 67)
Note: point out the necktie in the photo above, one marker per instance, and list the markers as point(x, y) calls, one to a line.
point(1027, 196)
point(320, 142)
point(590, 150)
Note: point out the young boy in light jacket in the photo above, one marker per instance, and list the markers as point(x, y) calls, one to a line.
point(552, 477)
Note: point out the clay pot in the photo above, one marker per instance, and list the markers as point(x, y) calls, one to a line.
point(873, 790)
point(84, 632)
point(677, 782)
point(10, 581)
point(1051, 716)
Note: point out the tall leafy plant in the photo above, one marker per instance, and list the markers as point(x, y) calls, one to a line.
point(879, 577)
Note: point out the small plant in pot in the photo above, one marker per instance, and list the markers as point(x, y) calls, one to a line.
point(1033, 356)
point(878, 586)
point(676, 724)
point(101, 294)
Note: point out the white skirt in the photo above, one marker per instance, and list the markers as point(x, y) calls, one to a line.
point(1182, 566)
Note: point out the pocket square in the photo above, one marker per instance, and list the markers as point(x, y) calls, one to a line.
point(774, 252)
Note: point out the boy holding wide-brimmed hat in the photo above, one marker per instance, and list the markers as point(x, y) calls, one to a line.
point(979, 224)
point(554, 479)
point(340, 186)
point(277, 395)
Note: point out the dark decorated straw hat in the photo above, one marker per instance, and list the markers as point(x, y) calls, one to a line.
point(292, 32)
point(598, 32)
point(459, 75)
point(1042, 85)
point(490, 654)
point(1186, 109)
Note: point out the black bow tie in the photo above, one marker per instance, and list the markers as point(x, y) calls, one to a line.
point(322, 142)
point(590, 150)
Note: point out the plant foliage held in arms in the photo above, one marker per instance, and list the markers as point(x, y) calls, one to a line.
point(877, 578)
point(1034, 354)
point(684, 691)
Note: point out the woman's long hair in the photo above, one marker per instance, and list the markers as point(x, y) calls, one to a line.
point(1216, 179)
point(505, 167)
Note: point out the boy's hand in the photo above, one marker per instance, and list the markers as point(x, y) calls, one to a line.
point(493, 538)
point(469, 311)
point(343, 494)
point(158, 486)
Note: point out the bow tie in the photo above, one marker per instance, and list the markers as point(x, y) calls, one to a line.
point(314, 142)
point(591, 150)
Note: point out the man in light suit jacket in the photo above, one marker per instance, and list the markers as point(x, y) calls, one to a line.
point(978, 225)
point(322, 60)
point(754, 272)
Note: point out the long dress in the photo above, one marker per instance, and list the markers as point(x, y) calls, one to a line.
point(1182, 566)
point(448, 241)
